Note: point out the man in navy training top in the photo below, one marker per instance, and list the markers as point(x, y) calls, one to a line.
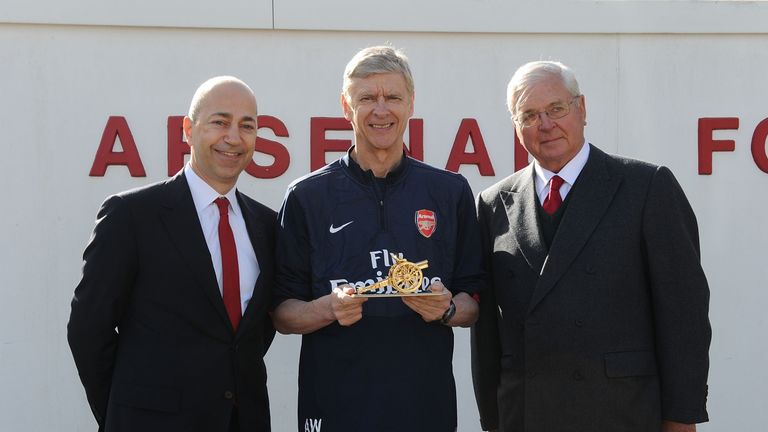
point(382, 364)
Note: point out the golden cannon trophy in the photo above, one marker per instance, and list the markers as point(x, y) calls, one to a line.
point(404, 276)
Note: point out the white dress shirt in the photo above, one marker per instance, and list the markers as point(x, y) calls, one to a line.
point(204, 196)
point(569, 173)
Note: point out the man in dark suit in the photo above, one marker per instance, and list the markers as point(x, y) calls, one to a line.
point(596, 319)
point(169, 322)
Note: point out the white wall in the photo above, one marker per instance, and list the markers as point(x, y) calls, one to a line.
point(646, 88)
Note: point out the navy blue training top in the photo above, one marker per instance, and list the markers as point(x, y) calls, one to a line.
point(390, 371)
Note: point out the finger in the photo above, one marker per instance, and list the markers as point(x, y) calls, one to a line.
point(350, 317)
point(350, 320)
point(437, 287)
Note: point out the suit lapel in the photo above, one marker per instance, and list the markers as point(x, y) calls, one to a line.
point(256, 234)
point(183, 226)
point(591, 197)
point(520, 203)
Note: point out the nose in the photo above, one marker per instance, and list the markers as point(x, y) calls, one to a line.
point(381, 106)
point(546, 122)
point(233, 134)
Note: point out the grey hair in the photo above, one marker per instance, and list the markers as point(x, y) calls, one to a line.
point(376, 60)
point(531, 73)
point(206, 87)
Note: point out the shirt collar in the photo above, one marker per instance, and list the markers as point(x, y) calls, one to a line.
point(203, 194)
point(570, 172)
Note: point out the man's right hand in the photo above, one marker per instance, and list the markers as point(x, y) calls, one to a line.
point(345, 308)
point(294, 316)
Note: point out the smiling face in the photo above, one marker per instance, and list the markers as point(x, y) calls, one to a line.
point(378, 106)
point(553, 143)
point(222, 137)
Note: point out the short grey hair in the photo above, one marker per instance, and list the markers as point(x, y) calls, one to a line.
point(530, 73)
point(206, 87)
point(375, 60)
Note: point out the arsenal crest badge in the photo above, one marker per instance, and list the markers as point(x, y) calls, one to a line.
point(426, 222)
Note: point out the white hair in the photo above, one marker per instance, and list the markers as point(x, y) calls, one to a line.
point(530, 73)
point(376, 60)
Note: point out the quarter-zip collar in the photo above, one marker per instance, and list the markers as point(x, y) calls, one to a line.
point(367, 177)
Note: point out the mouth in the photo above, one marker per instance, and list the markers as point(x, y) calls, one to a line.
point(381, 126)
point(228, 154)
point(547, 141)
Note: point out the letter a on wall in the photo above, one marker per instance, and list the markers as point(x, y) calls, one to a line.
point(117, 127)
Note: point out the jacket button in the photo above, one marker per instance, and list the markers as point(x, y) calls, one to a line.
point(591, 268)
point(578, 323)
point(578, 376)
point(228, 395)
point(530, 374)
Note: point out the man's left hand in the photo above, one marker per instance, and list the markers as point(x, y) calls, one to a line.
point(670, 426)
point(431, 308)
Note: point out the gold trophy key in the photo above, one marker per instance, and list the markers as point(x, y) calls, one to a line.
point(404, 276)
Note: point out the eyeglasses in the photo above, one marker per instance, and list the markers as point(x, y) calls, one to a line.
point(555, 111)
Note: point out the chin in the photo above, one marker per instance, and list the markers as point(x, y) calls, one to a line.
point(388, 143)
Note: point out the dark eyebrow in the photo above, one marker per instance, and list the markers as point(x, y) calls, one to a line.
point(228, 116)
point(221, 114)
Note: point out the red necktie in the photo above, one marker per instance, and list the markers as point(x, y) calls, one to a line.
point(229, 268)
point(553, 200)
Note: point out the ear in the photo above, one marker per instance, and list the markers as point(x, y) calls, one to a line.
point(186, 126)
point(583, 108)
point(346, 108)
point(413, 99)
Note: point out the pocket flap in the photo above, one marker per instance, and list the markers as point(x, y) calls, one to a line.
point(630, 363)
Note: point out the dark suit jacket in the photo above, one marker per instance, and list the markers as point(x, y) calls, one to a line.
point(608, 330)
point(148, 328)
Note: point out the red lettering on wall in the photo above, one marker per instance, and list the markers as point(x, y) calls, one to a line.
point(117, 127)
point(272, 148)
point(319, 145)
point(177, 147)
point(469, 129)
point(415, 147)
point(708, 145)
point(521, 154)
point(758, 145)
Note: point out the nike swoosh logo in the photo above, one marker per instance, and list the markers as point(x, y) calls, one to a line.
point(334, 230)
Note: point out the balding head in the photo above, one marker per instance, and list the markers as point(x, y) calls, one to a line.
point(205, 89)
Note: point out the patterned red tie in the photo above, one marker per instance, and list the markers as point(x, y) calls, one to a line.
point(229, 268)
point(553, 200)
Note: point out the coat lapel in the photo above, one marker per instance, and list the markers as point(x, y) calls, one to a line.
point(592, 195)
point(183, 226)
point(520, 203)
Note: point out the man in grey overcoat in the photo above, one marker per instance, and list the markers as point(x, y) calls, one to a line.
point(596, 314)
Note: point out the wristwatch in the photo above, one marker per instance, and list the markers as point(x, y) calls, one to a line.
point(449, 313)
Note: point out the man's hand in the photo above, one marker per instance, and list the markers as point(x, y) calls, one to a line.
point(346, 309)
point(295, 316)
point(431, 308)
point(670, 426)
